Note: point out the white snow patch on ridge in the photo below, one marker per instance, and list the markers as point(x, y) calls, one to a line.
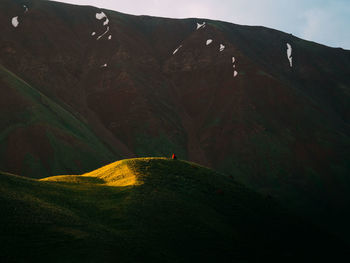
point(222, 47)
point(100, 16)
point(200, 25)
point(14, 21)
point(103, 33)
point(105, 23)
point(235, 72)
point(176, 50)
point(109, 37)
point(25, 8)
point(209, 41)
point(104, 66)
point(289, 54)
point(93, 33)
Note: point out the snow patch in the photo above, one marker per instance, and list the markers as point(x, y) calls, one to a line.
point(100, 16)
point(235, 72)
point(103, 33)
point(199, 26)
point(25, 8)
point(93, 33)
point(222, 47)
point(176, 50)
point(109, 37)
point(104, 66)
point(209, 41)
point(105, 23)
point(14, 21)
point(289, 54)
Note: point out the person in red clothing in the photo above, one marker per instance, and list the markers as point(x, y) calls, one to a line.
point(173, 157)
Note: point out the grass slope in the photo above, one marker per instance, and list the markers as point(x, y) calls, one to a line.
point(150, 210)
point(49, 138)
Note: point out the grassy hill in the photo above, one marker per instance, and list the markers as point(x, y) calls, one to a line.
point(150, 210)
point(39, 138)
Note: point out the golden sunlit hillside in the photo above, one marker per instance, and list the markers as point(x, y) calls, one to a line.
point(120, 173)
point(150, 210)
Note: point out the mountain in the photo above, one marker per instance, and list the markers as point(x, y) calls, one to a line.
point(39, 137)
point(81, 86)
point(151, 210)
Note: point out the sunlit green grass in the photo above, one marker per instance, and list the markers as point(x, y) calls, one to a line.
point(146, 210)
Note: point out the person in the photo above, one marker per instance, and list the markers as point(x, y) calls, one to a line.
point(173, 157)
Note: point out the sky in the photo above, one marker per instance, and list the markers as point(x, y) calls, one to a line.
point(323, 21)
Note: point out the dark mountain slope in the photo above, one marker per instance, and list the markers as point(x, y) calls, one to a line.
point(40, 138)
point(151, 210)
point(282, 130)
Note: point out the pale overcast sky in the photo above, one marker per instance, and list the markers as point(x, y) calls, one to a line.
point(322, 21)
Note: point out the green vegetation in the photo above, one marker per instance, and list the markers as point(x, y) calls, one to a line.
point(149, 210)
point(75, 147)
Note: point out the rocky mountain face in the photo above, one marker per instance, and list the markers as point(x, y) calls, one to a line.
point(81, 86)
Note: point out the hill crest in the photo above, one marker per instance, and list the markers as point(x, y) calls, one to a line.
point(175, 214)
point(137, 171)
